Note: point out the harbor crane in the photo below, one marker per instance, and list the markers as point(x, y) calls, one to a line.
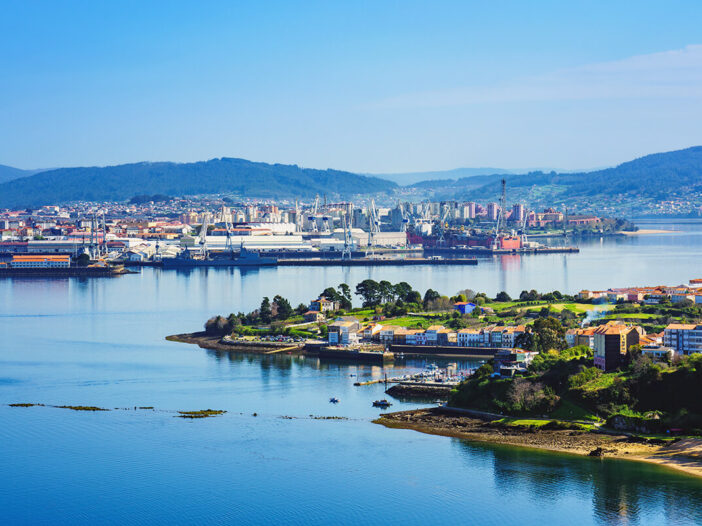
point(373, 225)
point(523, 228)
point(405, 216)
point(201, 238)
point(500, 217)
point(348, 239)
point(298, 217)
point(443, 218)
point(313, 217)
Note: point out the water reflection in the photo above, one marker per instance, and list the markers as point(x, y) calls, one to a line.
point(623, 492)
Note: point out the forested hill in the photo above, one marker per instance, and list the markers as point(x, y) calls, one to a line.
point(226, 175)
point(659, 176)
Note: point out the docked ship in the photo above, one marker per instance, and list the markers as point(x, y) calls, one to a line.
point(246, 258)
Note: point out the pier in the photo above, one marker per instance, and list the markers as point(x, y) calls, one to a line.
point(374, 262)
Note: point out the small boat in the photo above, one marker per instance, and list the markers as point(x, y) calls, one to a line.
point(333, 400)
point(381, 403)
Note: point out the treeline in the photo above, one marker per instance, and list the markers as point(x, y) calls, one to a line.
point(268, 312)
point(653, 396)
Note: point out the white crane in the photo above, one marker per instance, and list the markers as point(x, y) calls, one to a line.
point(313, 217)
point(373, 225)
point(348, 239)
point(443, 217)
point(202, 235)
point(500, 218)
point(523, 228)
point(405, 217)
point(298, 217)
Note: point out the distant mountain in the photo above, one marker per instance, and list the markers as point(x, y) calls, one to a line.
point(655, 177)
point(8, 173)
point(225, 175)
point(410, 178)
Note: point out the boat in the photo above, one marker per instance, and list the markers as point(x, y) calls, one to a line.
point(381, 403)
point(333, 400)
point(246, 258)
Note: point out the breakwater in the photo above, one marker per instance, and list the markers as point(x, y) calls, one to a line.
point(374, 262)
point(67, 272)
point(448, 350)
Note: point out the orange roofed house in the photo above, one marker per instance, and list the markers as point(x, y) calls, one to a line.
point(611, 344)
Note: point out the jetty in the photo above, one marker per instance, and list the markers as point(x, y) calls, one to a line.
point(375, 262)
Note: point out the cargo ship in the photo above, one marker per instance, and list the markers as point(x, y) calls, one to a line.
point(246, 258)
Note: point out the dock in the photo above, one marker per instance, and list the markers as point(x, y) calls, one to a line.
point(374, 262)
point(63, 272)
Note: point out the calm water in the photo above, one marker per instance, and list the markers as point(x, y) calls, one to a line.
point(100, 342)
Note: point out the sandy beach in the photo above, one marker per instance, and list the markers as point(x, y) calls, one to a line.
point(683, 455)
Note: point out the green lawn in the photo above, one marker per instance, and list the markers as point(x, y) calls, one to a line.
point(567, 410)
point(630, 316)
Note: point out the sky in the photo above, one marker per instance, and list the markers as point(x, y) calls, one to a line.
point(373, 87)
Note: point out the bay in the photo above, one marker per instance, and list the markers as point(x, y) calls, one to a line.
point(101, 342)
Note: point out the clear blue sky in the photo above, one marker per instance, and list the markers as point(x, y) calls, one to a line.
point(372, 86)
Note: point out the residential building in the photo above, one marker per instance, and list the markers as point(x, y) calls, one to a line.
point(684, 338)
point(612, 341)
point(468, 338)
point(322, 304)
point(464, 307)
point(343, 332)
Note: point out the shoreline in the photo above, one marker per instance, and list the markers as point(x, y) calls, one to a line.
point(214, 343)
point(684, 455)
point(647, 231)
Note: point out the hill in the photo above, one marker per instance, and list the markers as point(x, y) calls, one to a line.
point(411, 178)
point(225, 175)
point(638, 183)
point(8, 173)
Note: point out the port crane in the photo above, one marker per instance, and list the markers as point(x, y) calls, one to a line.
point(373, 224)
point(405, 216)
point(348, 239)
point(201, 238)
point(313, 217)
point(500, 217)
point(523, 228)
point(298, 217)
point(443, 218)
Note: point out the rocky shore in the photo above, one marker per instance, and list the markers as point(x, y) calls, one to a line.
point(684, 454)
point(217, 343)
point(419, 391)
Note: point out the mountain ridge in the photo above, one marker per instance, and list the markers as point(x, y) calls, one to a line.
point(220, 175)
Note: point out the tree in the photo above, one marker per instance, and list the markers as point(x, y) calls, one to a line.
point(283, 308)
point(217, 326)
point(442, 303)
point(429, 296)
point(369, 290)
point(83, 260)
point(264, 312)
point(468, 293)
point(414, 297)
point(346, 303)
point(331, 294)
point(386, 291)
point(301, 308)
point(503, 296)
point(404, 292)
